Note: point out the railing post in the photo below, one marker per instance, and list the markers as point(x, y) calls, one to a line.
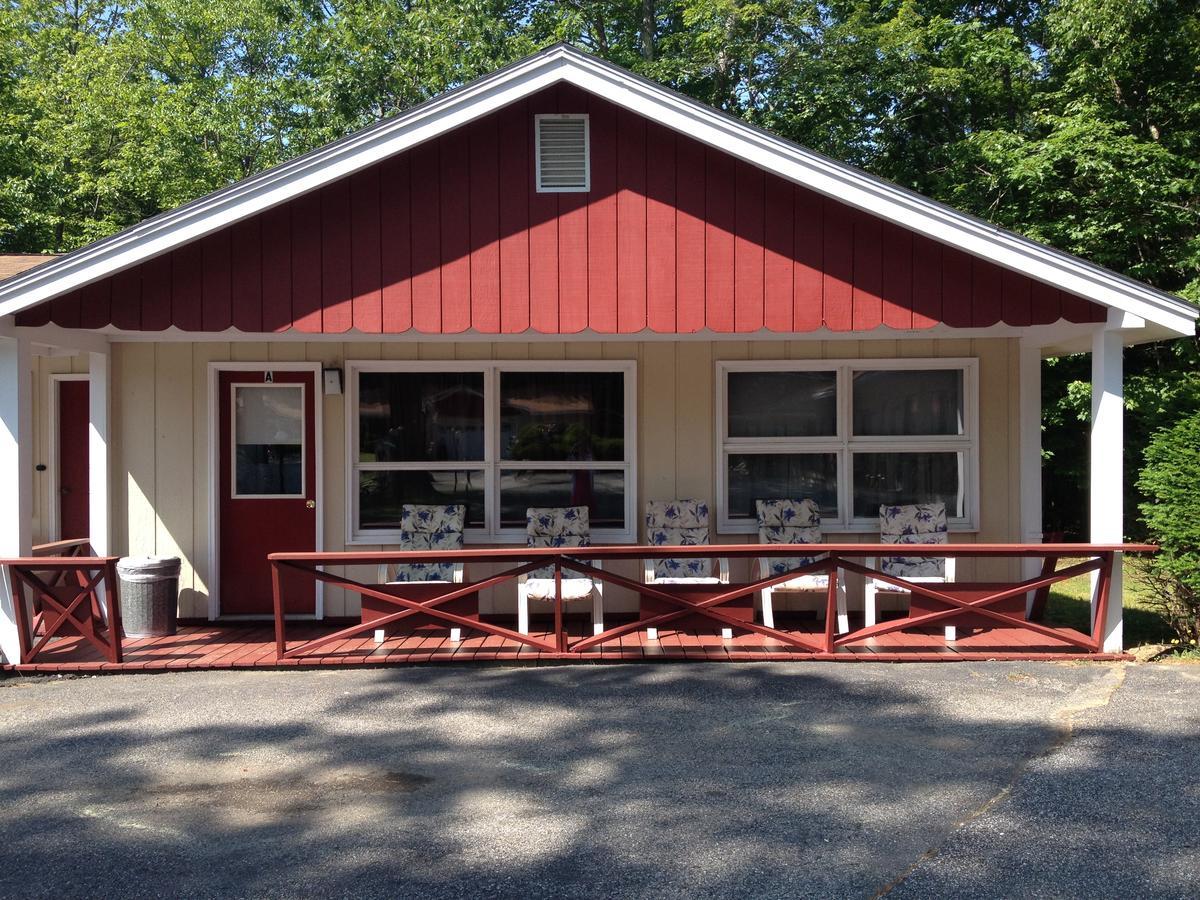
point(831, 603)
point(113, 589)
point(1100, 605)
point(560, 639)
point(280, 636)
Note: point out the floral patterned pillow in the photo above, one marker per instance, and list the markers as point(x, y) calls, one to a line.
point(556, 526)
point(917, 523)
point(430, 528)
point(788, 522)
point(682, 523)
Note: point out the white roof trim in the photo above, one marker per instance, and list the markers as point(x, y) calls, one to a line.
point(564, 63)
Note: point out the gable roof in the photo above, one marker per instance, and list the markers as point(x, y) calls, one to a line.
point(563, 63)
point(15, 263)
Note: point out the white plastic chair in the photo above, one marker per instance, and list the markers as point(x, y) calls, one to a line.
point(565, 526)
point(682, 523)
point(918, 523)
point(427, 528)
point(794, 522)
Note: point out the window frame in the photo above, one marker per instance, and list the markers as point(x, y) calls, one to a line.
point(844, 443)
point(492, 465)
point(587, 152)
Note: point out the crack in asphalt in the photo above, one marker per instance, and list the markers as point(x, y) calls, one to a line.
point(1107, 689)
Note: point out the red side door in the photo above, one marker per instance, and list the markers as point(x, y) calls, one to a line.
point(268, 486)
point(73, 487)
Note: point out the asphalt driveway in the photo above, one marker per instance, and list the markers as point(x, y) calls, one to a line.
point(834, 780)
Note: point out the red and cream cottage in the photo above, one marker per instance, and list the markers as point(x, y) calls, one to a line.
point(691, 307)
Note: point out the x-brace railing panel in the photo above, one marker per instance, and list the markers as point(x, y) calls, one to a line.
point(835, 560)
point(60, 602)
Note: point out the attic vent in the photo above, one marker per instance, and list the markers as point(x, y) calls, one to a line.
point(562, 153)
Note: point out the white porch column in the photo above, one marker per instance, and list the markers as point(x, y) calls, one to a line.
point(99, 522)
point(16, 473)
point(1030, 463)
point(1107, 455)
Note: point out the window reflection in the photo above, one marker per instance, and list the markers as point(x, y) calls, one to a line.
point(777, 476)
point(561, 416)
point(420, 416)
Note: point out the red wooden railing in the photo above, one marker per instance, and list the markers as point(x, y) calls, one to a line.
point(56, 594)
point(941, 603)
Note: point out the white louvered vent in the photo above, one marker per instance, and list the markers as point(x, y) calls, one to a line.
point(562, 153)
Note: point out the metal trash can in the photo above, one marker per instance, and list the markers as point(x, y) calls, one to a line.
point(149, 595)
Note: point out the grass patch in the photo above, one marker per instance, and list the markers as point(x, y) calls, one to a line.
point(1070, 606)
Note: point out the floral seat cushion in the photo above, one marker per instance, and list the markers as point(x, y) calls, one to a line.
point(556, 526)
point(918, 523)
point(682, 523)
point(789, 522)
point(429, 528)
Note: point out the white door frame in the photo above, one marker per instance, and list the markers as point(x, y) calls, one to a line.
point(53, 451)
point(214, 473)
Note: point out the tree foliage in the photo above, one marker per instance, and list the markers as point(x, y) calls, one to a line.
point(1076, 122)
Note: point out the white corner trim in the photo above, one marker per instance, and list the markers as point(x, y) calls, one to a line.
point(563, 63)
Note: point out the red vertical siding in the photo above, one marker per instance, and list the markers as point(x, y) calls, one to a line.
point(660, 229)
point(484, 197)
point(838, 287)
point(456, 235)
point(808, 256)
point(337, 293)
point(425, 191)
point(690, 228)
point(395, 245)
point(897, 272)
point(187, 273)
point(718, 241)
point(306, 263)
point(778, 237)
point(514, 135)
point(868, 273)
point(673, 237)
point(543, 235)
point(157, 283)
point(631, 222)
point(127, 299)
point(216, 291)
point(366, 258)
point(748, 261)
point(277, 269)
point(95, 304)
point(245, 279)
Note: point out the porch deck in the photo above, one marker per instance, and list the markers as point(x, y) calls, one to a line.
point(219, 646)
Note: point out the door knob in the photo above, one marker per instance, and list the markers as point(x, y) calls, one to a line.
point(311, 504)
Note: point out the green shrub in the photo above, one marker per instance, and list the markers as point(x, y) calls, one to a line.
point(1171, 482)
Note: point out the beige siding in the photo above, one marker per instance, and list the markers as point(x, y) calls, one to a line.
point(162, 446)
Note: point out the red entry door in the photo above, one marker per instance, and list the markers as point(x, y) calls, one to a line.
point(73, 487)
point(268, 485)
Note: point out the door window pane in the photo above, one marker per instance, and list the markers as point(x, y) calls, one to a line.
point(268, 433)
point(908, 402)
point(602, 492)
point(381, 494)
point(557, 416)
point(782, 404)
point(899, 479)
point(780, 476)
point(420, 417)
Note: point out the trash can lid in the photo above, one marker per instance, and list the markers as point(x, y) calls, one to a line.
point(148, 566)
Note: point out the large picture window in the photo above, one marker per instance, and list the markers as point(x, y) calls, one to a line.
point(850, 434)
point(495, 437)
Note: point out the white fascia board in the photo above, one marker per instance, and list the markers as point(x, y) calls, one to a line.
point(561, 63)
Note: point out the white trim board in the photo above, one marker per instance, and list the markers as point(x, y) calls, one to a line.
point(563, 63)
point(214, 480)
